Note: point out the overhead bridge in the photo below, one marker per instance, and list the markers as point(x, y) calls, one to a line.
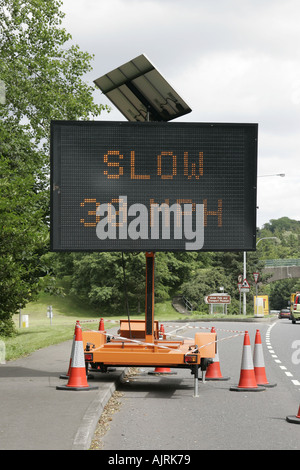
point(282, 269)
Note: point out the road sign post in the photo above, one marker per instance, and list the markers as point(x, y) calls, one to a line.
point(240, 280)
point(218, 299)
point(244, 288)
point(244, 293)
point(239, 288)
point(50, 313)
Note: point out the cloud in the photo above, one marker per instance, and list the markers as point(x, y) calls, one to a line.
point(231, 60)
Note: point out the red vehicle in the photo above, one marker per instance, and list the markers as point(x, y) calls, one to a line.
point(284, 313)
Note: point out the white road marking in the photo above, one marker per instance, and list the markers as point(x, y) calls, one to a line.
point(273, 354)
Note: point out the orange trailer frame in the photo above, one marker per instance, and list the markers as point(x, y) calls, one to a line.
point(139, 342)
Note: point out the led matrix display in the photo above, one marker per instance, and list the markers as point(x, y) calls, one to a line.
point(153, 186)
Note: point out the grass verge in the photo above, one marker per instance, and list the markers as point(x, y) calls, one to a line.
point(42, 332)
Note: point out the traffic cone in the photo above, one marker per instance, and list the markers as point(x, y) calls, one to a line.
point(162, 331)
point(259, 363)
point(247, 376)
point(101, 325)
point(67, 375)
point(77, 379)
point(213, 371)
point(294, 419)
point(162, 371)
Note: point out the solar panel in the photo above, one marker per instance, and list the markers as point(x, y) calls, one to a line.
point(141, 93)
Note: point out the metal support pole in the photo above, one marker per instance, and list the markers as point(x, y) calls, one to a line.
point(256, 299)
point(149, 307)
point(244, 293)
point(196, 394)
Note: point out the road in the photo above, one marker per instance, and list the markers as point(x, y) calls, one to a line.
point(161, 413)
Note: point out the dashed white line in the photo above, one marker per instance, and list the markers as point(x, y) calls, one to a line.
point(273, 354)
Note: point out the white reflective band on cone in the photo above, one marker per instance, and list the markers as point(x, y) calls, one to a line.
point(258, 357)
point(247, 363)
point(78, 358)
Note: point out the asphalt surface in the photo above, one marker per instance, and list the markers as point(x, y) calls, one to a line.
point(34, 415)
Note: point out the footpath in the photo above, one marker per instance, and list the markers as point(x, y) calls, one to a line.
point(34, 415)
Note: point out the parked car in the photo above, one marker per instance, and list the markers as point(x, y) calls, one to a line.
point(295, 308)
point(284, 313)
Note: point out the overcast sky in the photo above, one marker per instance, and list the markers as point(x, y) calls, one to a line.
point(230, 60)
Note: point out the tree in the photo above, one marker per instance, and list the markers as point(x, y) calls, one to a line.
point(206, 281)
point(42, 73)
point(23, 236)
point(287, 242)
point(280, 292)
point(222, 271)
point(41, 70)
point(104, 280)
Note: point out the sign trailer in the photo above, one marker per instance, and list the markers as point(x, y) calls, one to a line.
point(150, 185)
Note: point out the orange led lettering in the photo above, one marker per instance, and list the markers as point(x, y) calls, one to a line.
point(174, 166)
point(186, 201)
point(217, 213)
point(159, 207)
point(91, 213)
point(113, 164)
point(122, 210)
point(132, 169)
point(186, 166)
point(118, 218)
